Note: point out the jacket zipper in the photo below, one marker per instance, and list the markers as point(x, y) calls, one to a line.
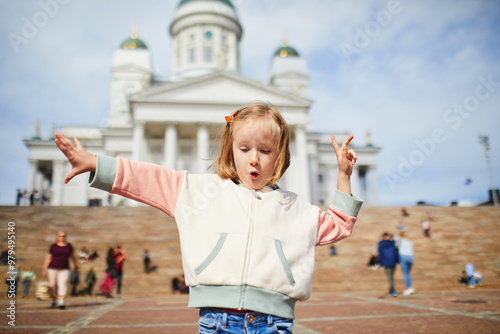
point(246, 260)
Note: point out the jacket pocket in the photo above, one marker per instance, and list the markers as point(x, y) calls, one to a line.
point(212, 255)
point(284, 262)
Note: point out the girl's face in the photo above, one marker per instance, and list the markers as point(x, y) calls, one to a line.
point(255, 151)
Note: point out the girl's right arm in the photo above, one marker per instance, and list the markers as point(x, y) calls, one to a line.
point(144, 182)
point(81, 161)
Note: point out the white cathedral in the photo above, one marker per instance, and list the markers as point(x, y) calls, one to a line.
point(176, 122)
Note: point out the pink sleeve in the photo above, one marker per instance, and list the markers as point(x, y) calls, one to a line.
point(148, 183)
point(333, 226)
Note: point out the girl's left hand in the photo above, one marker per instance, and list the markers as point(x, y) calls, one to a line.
point(346, 158)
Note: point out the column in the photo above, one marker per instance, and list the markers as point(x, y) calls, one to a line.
point(138, 141)
point(363, 177)
point(39, 181)
point(355, 181)
point(313, 179)
point(301, 146)
point(32, 175)
point(373, 181)
point(332, 180)
point(202, 144)
point(57, 182)
point(170, 146)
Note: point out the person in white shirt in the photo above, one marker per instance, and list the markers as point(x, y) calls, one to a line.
point(405, 248)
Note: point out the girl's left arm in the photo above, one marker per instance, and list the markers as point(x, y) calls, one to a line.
point(346, 160)
point(338, 221)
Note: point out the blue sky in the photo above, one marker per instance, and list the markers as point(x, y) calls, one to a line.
point(422, 76)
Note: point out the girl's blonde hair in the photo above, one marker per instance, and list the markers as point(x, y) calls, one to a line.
point(277, 128)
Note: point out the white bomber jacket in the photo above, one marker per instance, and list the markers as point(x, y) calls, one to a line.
point(241, 249)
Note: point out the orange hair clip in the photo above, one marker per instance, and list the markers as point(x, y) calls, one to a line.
point(230, 118)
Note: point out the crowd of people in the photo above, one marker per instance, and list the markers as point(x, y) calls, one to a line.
point(393, 250)
point(113, 277)
point(35, 197)
point(64, 268)
point(470, 277)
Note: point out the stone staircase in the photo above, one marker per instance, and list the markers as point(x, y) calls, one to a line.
point(459, 235)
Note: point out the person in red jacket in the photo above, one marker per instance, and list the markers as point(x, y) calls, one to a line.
point(119, 255)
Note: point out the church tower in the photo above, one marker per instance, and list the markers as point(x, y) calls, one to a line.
point(289, 70)
point(131, 73)
point(205, 38)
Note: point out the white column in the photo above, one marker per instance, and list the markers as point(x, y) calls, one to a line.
point(202, 144)
point(332, 178)
point(38, 181)
point(170, 146)
point(45, 184)
point(313, 167)
point(355, 181)
point(32, 175)
point(303, 168)
point(57, 182)
point(374, 185)
point(138, 141)
point(364, 185)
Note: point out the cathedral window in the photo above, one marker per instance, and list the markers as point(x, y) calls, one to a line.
point(207, 54)
point(192, 55)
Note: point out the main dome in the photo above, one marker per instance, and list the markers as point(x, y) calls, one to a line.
point(227, 2)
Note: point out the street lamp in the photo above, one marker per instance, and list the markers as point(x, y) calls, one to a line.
point(485, 141)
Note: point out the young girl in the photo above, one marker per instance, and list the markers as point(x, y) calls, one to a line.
point(247, 245)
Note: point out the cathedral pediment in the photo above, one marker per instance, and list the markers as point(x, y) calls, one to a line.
point(218, 88)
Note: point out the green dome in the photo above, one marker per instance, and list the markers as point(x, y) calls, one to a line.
point(133, 43)
point(286, 51)
point(227, 2)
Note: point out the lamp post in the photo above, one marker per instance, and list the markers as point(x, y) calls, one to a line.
point(485, 141)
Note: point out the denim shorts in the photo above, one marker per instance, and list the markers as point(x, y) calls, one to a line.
point(217, 321)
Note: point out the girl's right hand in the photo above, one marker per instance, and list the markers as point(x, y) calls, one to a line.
point(81, 161)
